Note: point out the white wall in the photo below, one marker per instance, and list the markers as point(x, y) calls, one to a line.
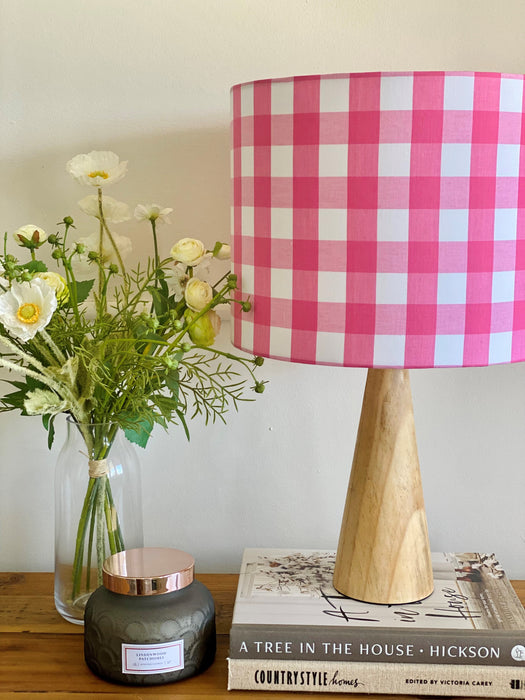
point(150, 80)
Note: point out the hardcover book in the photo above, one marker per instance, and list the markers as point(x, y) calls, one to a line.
point(292, 630)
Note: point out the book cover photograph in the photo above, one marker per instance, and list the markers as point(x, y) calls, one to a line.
point(470, 632)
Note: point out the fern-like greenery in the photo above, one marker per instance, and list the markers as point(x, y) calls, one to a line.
point(126, 349)
point(122, 348)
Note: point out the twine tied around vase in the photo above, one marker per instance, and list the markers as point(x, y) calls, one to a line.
point(98, 468)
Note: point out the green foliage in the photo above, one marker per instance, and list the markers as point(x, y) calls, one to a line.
point(137, 429)
point(133, 360)
point(15, 400)
point(48, 422)
point(120, 349)
point(83, 289)
point(35, 266)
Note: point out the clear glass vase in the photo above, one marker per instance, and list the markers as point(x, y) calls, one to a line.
point(98, 510)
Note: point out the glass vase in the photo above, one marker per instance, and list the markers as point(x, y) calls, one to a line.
point(98, 510)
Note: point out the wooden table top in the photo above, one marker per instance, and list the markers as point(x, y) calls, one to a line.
point(41, 655)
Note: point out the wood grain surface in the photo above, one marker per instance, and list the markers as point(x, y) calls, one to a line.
point(384, 552)
point(41, 655)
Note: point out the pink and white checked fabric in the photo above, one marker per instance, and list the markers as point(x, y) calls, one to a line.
point(379, 218)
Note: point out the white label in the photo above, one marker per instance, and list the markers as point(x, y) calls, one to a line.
point(153, 658)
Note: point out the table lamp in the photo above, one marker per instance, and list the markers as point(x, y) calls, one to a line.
point(378, 221)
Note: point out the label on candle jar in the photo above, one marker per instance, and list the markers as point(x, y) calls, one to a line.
point(153, 658)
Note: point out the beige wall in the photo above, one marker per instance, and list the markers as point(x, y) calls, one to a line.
point(150, 80)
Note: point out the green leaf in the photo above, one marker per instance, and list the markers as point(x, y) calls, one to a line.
point(138, 430)
point(166, 405)
point(49, 425)
point(172, 382)
point(140, 329)
point(153, 338)
point(83, 289)
point(182, 419)
point(15, 400)
point(160, 421)
point(160, 302)
point(35, 266)
point(144, 347)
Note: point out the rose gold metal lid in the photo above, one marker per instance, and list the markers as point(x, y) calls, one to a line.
point(148, 571)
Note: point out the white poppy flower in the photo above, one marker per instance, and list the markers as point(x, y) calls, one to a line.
point(97, 168)
point(176, 280)
point(83, 266)
point(114, 212)
point(27, 308)
point(152, 212)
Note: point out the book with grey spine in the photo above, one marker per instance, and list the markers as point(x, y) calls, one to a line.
point(292, 630)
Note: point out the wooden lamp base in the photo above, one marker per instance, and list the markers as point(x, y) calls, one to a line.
point(384, 554)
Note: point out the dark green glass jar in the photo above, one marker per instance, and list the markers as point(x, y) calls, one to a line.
point(150, 622)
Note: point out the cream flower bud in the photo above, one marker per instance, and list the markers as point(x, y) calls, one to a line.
point(204, 330)
point(198, 294)
point(223, 252)
point(30, 236)
point(188, 251)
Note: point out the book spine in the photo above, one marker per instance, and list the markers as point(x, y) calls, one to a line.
point(384, 645)
point(350, 677)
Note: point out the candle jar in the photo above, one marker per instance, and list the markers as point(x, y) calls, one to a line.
point(150, 622)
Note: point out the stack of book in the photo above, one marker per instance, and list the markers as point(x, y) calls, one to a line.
point(292, 630)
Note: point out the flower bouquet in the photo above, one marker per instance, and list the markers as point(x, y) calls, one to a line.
point(116, 350)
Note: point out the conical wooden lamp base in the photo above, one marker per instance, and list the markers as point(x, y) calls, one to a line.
point(384, 553)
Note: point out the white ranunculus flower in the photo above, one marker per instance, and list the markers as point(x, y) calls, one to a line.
point(188, 251)
point(30, 236)
point(114, 212)
point(97, 168)
point(27, 307)
point(152, 212)
point(84, 267)
point(198, 294)
point(41, 402)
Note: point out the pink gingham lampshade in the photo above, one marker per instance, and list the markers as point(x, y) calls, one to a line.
point(379, 218)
